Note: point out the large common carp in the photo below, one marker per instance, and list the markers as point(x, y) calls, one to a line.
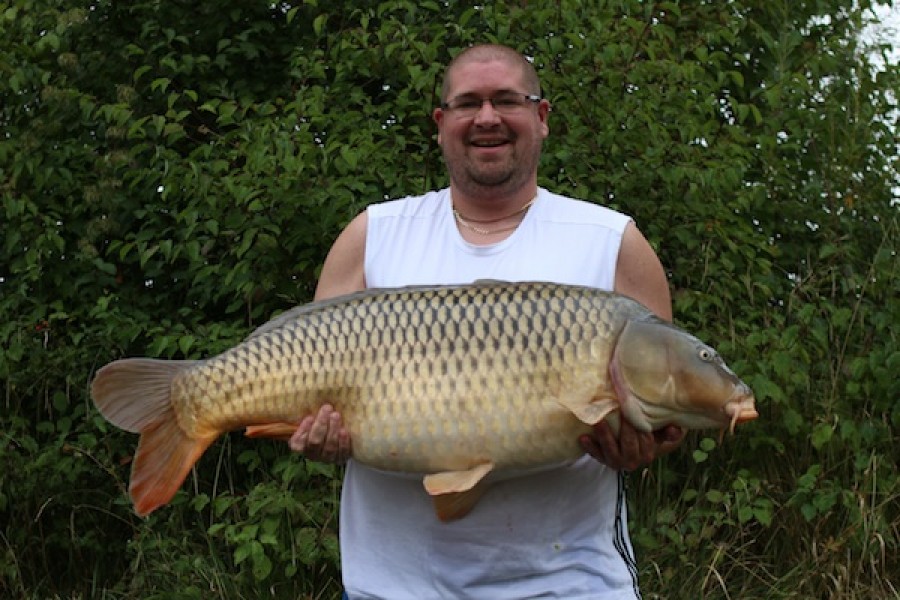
point(452, 382)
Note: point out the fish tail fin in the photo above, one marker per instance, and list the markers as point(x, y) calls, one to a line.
point(163, 460)
point(135, 395)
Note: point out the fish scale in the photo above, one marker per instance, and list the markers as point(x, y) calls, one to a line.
point(449, 381)
point(465, 378)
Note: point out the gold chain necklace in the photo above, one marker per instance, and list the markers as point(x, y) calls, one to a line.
point(469, 223)
point(479, 230)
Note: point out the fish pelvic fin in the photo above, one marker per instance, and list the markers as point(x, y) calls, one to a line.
point(279, 431)
point(455, 493)
point(135, 395)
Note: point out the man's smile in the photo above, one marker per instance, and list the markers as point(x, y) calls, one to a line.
point(489, 142)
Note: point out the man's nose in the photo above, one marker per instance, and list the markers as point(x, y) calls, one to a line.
point(487, 114)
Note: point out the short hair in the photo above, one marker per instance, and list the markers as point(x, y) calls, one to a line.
point(489, 52)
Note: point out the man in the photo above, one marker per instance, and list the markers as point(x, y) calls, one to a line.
point(560, 532)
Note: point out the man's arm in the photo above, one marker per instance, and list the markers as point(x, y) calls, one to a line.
point(344, 268)
point(639, 275)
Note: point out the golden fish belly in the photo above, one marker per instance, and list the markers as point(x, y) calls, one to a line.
point(426, 380)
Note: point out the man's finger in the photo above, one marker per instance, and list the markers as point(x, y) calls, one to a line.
point(319, 431)
point(299, 439)
point(603, 445)
point(333, 427)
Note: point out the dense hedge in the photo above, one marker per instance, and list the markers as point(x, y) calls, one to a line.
point(173, 174)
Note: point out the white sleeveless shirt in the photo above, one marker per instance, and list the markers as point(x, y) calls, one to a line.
point(557, 533)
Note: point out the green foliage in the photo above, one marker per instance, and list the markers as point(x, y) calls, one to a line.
point(172, 175)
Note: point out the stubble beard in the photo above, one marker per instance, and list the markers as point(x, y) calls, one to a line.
point(495, 180)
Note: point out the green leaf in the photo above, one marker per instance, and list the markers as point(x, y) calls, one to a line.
point(160, 84)
point(793, 421)
point(715, 496)
point(60, 401)
point(262, 566)
point(242, 552)
point(185, 343)
point(821, 435)
point(319, 23)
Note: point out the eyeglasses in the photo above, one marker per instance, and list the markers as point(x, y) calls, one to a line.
point(505, 103)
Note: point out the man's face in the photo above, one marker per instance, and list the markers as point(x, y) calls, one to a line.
point(489, 152)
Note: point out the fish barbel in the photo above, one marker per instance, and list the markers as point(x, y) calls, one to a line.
point(452, 382)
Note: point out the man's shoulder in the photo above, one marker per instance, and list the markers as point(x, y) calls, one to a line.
point(573, 209)
point(424, 204)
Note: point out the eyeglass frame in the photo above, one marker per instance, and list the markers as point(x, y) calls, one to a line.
point(449, 105)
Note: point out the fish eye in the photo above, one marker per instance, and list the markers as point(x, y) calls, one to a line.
point(706, 355)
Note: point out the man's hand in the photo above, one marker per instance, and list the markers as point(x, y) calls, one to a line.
point(322, 437)
point(633, 448)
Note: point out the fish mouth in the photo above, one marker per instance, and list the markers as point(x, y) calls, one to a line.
point(741, 408)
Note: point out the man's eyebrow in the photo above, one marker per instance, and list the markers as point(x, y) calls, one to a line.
point(494, 93)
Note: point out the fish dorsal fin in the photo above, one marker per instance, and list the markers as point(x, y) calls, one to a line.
point(455, 493)
point(490, 282)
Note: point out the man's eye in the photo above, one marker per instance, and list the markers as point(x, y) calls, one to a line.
point(506, 102)
point(468, 104)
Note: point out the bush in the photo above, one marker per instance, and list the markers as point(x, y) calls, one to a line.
point(173, 175)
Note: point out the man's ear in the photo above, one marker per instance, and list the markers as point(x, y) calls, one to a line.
point(544, 116)
point(438, 116)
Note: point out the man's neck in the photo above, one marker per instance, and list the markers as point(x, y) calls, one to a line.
point(492, 204)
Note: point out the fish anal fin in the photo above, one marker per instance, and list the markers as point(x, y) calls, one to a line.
point(164, 457)
point(455, 493)
point(282, 430)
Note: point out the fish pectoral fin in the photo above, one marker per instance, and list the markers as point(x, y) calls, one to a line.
point(455, 493)
point(282, 430)
point(593, 411)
